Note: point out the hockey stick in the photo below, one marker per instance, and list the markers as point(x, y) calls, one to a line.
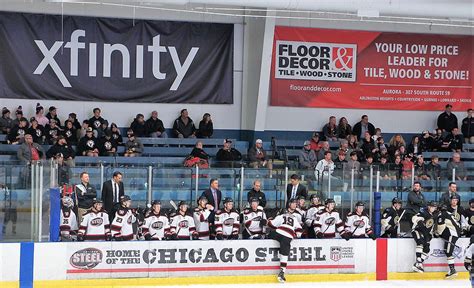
point(174, 205)
point(449, 242)
point(398, 222)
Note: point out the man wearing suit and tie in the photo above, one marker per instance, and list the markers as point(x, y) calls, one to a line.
point(214, 196)
point(295, 189)
point(112, 190)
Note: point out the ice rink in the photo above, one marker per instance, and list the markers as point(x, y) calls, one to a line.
point(359, 284)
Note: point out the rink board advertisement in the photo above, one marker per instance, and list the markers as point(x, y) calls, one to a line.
point(377, 70)
point(76, 58)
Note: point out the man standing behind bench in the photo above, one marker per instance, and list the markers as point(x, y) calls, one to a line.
point(85, 195)
point(112, 190)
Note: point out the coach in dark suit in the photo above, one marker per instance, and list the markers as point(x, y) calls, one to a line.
point(214, 197)
point(111, 191)
point(295, 189)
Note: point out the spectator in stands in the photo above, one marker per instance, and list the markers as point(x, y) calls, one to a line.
point(63, 148)
point(455, 140)
point(433, 169)
point(343, 129)
point(197, 157)
point(36, 131)
point(307, 158)
point(19, 115)
point(30, 151)
point(52, 132)
point(339, 165)
point(446, 196)
point(88, 144)
point(324, 148)
point(206, 128)
point(96, 121)
point(183, 126)
point(228, 156)
point(17, 133)
point(5, 121)
point(363, 126)
point(53, 114)
point(467, 126)
point(353, 164)
point(420, 169)
point(116, 134)
point(365, 166)
point(315, 144)
point(384, 168)
point(256, 192)
point(395, 143)
point(396, 168)
point(325, 167)
point(377, 135)
point(458, 166)
point(407, 166)
point(344, 146)
point(258, 156)
point(154, 126)
point(63, 169)
point(85, 194)
point(368, 145)
point(426, 142)
point(84, 127)
point(438, 140)
point(138, 126)
point(107, 145)
point(42, 120)
point(330, 130)
point(295, 188)
point(415, 200)
point(70, 132)
point(103, 128)
point(133, 147)
point(415, 147)
point(447, 120)
point(75, 123)
point(353, 145)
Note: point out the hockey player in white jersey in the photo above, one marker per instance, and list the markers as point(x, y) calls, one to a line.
point(287, 228)
point(68, 220)
point(95, 224)
point(122, 225)
point(254, 221)
point(201, 218)
point(358, 224)
point(182, 224)
point(449, 229)
point(328, 222)
point(156, 225)
point(227, 221)
point(311, 214)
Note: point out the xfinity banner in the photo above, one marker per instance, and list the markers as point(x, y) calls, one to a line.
point(83, 58)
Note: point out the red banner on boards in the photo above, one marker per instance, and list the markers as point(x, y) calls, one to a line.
point(372, 70)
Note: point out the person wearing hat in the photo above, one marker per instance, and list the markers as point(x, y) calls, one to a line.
point(122, 225)
point(227, 221)
point(254, 221)
point(53, 114)
point(258, 156)
point(107, 144)
point(133, 147)
point(314, 142)
point(95, 225)
point(88, 144)
point(228, 156)
point(42, 120)
point(64, 148)
point(422, 231)
point(112, 190)
point(256, 192)
point(391, 218)
point(5, 121)
point(447, 120)
point(155, 127)
point(156, 225)
point(206, 127)
point(307, 158)
point(19, 115)
point(17, 133)
point(52, 132)
point(358, 224)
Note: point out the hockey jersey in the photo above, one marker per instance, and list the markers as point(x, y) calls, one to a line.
point(328, 223)
point(201, 220)
point(122, 225)
point(311, 214)
point(287, 225)
point(94, 226)
point(300, 214)
point(68, 220)
point(182, 226)
point(447, 225)
point(467, 222)
point(227, 223)
point(390, 220)
point(358, 225)
point(428, 221)
point(457, 212)
point(156, 225)
point(251, 220)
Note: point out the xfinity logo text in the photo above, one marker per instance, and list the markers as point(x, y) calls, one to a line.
point(75, 45)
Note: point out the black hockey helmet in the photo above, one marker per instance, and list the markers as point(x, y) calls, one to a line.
point(301, 197)
point(455, 196)
point(329, 200)
point(359, 203)
point(125, 198)
point(97, 201)
point(155, 202)
point(228, 200)
point(443, 207)
point(432, 204)
point(313, 196)
point(292, 200)
point(202, 197)
point(396, 200)
point(181, 203)
point(253, 199)
point(471, 201)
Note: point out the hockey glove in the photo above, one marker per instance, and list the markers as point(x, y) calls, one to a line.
point(147, 237)
point(118, 238)
point(219, 236)
point(263, 222)
point(319, 235)
point(346, 236)
point(234, 236)
point(173, 237)
point(195, 236)
point(80, 237)
point(467, 265)
point(372, 236)
point(108, 237)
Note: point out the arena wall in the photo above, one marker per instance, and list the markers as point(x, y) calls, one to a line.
point(48, 264)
